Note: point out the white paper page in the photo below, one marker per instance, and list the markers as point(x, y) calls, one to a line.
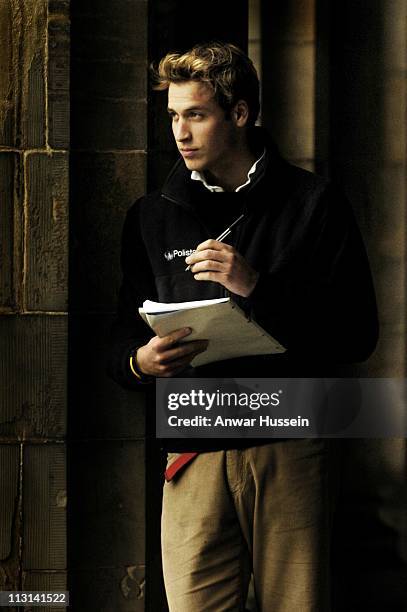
point(230, 334)
point(151, 307)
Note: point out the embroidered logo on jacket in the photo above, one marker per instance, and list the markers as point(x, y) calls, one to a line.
point(170, 255)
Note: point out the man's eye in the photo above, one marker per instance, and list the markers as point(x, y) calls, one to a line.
point(194, 115)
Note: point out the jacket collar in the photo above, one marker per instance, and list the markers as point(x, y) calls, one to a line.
point(180, 188)
point(199, 176)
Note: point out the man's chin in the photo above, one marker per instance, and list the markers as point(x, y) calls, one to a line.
point(194, 164)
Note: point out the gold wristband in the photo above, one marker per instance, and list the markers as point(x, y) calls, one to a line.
point(135, 368)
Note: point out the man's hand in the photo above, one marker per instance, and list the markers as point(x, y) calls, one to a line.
point(164, 357)
point(219, 262)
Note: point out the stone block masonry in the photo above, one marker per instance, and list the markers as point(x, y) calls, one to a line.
point(34, 194)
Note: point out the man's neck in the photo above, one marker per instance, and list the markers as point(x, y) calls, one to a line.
point(235, 171)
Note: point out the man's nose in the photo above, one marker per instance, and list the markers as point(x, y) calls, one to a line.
point(181, 131)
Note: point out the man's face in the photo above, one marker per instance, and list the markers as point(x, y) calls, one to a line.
point(205, 137)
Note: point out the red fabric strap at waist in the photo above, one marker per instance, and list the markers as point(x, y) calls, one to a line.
point(179, 463)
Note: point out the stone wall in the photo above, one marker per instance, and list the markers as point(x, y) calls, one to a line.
point(34, 194)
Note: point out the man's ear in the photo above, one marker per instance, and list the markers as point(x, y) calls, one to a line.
point(240, 113)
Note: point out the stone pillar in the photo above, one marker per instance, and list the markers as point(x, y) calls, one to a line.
point(366, 56)
point(34, 187)
point(288, 68)
point(106, 424)
point(368, 152)
point(342, 101)
point(254, 42)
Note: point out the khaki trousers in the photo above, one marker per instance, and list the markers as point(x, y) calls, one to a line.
point(264, 510)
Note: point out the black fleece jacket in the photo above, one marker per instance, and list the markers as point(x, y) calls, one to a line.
point(314, 293)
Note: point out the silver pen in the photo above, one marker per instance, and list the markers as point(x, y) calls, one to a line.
point(225, 233)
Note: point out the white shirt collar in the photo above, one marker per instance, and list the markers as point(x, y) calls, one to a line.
point(198, 176)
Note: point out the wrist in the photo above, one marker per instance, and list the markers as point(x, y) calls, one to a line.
point(137, 370)
point(252, 284)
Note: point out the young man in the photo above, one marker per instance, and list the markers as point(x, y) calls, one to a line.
point(297, 265)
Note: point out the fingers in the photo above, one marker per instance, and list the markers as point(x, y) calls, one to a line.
point(215, 277)
point(163, 344)
point(215, 254)
point(165, 367)
point(184, 351)
point(212, 259)
point(210, 249)
point(224, 265)
point(216, 245)
point(174, 367)
point(207, 265)
point(165, 357)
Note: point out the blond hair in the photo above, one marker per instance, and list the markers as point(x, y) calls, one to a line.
point(222, 66)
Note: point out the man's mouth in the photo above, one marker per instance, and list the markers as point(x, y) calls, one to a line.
point(188, 152)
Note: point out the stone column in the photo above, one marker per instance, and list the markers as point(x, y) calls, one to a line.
point(254, 42)
point(288, 68)
point(34, 187)
point(342, 101)
point(368, 152)
point(106, 424)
